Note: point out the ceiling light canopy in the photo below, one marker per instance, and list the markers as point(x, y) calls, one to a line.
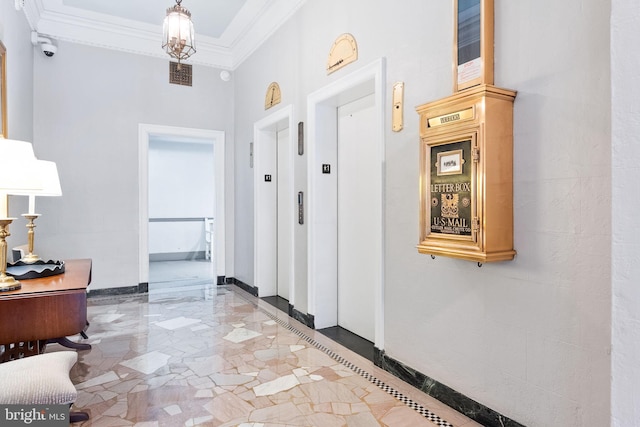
point(178, 34)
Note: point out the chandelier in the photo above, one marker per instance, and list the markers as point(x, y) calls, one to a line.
point(178, 36)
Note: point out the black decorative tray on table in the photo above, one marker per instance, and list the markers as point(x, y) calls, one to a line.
point(24, 271)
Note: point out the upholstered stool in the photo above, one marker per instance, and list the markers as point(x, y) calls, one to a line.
point(42, 379)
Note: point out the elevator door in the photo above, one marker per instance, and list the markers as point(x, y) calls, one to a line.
point(357, 263)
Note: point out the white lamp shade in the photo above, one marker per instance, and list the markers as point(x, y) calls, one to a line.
point(19, 172)
point(49, 179)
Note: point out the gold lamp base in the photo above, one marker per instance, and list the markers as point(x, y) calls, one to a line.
point(30, 258)
point(7, 283)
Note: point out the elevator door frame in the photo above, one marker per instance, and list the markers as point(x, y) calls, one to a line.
point(265, 208)
point(322, 201)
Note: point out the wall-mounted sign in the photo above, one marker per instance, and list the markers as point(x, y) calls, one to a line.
point(343, 52)
point(397, 114)
point(473, 43)
point(273, 96)
point(451, 117)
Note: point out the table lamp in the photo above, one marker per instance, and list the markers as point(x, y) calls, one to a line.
point(18, 174)
point(50, 187)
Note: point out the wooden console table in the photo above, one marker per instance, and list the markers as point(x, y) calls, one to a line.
point(47, 309)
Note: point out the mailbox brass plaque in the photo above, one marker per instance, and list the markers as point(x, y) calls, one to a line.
point(452, 117)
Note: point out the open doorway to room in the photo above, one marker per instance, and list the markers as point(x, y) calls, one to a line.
point(181, 203)
point(182, 223)
point(274, 205)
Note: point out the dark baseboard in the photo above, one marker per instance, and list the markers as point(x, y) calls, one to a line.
point(253, 290)
point(141, 288)
point(461, 403)
point(221, 280)
point(306, 319)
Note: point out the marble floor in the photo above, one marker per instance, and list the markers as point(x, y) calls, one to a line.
point(205, 355)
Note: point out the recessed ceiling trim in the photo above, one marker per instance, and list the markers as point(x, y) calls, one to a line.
point(254, 23)
point(132, 41)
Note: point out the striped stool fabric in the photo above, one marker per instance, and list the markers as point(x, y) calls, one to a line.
point(38, 380)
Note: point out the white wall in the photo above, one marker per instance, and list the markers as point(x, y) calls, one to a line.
point(88, 105)
point(528, 338)
point(15, 35)
point(625, 85)
point(181, 185)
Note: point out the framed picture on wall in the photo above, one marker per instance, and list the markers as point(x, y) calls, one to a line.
point(3, 91)
point(473, 43)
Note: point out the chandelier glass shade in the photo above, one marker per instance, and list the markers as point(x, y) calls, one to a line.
point(178, 34)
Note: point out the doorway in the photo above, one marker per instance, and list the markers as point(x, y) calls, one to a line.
point(217, 138)
point(181, 201)
point(274, 206)
point(339, 203)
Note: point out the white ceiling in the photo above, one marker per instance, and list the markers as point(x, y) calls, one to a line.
point(227, 31)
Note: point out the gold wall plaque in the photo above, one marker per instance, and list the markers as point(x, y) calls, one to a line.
point(398, 107)
point(343, 52)
point(451, 117)
point(273, 96)
point(3, 92)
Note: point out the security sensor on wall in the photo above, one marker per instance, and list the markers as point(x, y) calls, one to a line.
point(46, 44)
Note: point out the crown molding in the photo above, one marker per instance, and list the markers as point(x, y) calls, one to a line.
point(267, 23)
point(256, 21)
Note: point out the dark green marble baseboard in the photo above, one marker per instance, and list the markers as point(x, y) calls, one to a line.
point(125, 290)
point(306, 319)
point(461, 403)
point(253, 290)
